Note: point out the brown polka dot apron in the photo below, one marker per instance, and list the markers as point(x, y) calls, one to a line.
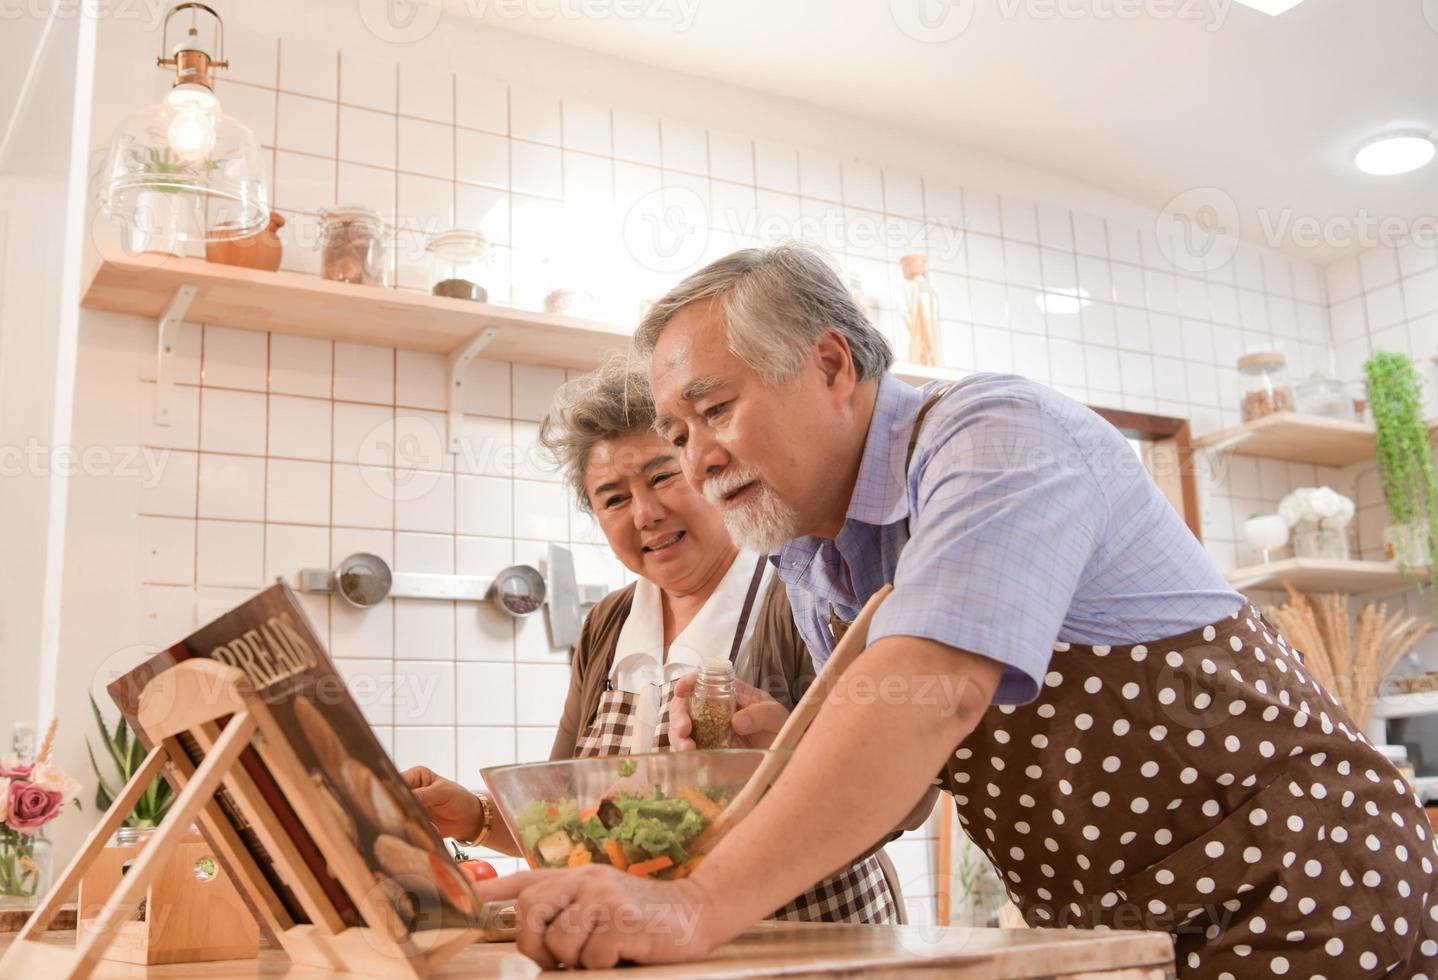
point(860, 894)
point(1206, 786)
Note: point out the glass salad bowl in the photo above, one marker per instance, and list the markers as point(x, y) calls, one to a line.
point(644, 814)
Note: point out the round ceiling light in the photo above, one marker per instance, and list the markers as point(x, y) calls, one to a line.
point(1392, 155)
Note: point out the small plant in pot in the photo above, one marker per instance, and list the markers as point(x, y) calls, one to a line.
point(126, 753)
point(1405, 461)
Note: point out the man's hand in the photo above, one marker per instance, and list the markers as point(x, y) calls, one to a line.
point(595, 916)
point(757, 717)
point(454, 810)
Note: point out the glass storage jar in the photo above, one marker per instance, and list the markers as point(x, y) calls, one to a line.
point(1264, 379)
point(353, 246)
point(458, 261)
point(1323, 397)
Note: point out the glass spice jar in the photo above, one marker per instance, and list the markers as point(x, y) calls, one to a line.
point(458, 261)
point(353, 246)
point(1324, 397)
point(1264, 377)
point(921, 311)
point(712, 704)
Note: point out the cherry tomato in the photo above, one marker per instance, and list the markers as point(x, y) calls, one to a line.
point(477, 871)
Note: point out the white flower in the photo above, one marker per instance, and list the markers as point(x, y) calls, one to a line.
point(4, 799)
point(53, 778)
point(1315, 505)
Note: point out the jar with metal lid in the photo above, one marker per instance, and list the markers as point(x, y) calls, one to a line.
point(353, 246)
point(1264, 380)
point(1324, 397)
point(458, 263)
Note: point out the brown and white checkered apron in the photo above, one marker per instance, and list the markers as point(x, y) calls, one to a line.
point(1206, 786)
point(859, 894)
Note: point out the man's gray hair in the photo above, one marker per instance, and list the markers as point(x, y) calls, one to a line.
point(777, 302)
point(610, 402)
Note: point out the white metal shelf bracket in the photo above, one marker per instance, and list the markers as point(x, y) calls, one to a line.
point(167, 332)
point(458, 372)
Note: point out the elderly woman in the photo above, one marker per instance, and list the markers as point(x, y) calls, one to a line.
point(697, 596)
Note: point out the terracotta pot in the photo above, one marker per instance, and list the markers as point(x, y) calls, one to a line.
point(258, 251)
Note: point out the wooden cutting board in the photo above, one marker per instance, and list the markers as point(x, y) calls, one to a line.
point(802, 949)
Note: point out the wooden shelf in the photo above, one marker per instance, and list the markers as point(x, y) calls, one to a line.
point(1318, 575)
point(293, 303)
point(1300, 439)
point(1297, 438)
point(1389, 706)
point(918, 375)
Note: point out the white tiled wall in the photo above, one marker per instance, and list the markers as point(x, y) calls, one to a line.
point(288, 452)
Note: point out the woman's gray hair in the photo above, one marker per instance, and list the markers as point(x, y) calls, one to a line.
point(777, 302)
point(612, 401)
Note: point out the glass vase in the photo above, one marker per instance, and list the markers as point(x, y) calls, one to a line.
point(25, 865)
point(1311, 539)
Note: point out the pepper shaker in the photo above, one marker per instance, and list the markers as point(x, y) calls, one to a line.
point(712, 704)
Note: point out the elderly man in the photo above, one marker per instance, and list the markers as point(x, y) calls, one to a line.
point(1129, 741)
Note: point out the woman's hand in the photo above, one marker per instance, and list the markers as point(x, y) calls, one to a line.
point(454, 810)
point(757, 716)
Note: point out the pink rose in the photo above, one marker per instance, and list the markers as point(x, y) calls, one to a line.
point(32, 807)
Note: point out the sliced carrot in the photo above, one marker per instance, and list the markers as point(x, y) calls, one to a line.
point(591, 812)
point(645, 868)
point(707, 808)
point(688, 867)
point(616, 854)
point(580, 856)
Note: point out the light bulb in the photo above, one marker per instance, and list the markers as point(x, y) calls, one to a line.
point(192, 134)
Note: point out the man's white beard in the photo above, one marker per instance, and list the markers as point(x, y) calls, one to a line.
point(762, 524)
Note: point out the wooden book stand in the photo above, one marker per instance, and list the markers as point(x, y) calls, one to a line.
point(193, 697)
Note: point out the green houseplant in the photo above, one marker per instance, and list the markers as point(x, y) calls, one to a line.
point(1405, 459)
point(126, 753)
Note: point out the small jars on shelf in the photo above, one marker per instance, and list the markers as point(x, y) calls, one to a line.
point(1263, 378)
point(458, 263)
point(353, 246)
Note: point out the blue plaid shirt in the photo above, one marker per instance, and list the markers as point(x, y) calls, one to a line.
point(1032, 521)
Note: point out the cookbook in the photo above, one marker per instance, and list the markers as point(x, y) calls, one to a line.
point(270, 639)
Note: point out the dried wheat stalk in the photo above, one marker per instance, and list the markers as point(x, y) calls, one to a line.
point(1350, 663)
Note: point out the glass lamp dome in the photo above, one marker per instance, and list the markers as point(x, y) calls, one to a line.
point(183, 170)
point(193, 169)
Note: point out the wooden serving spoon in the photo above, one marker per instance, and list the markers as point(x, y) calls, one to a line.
point(853, 643)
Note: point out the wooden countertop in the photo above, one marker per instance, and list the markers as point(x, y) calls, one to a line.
point(793, 949)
